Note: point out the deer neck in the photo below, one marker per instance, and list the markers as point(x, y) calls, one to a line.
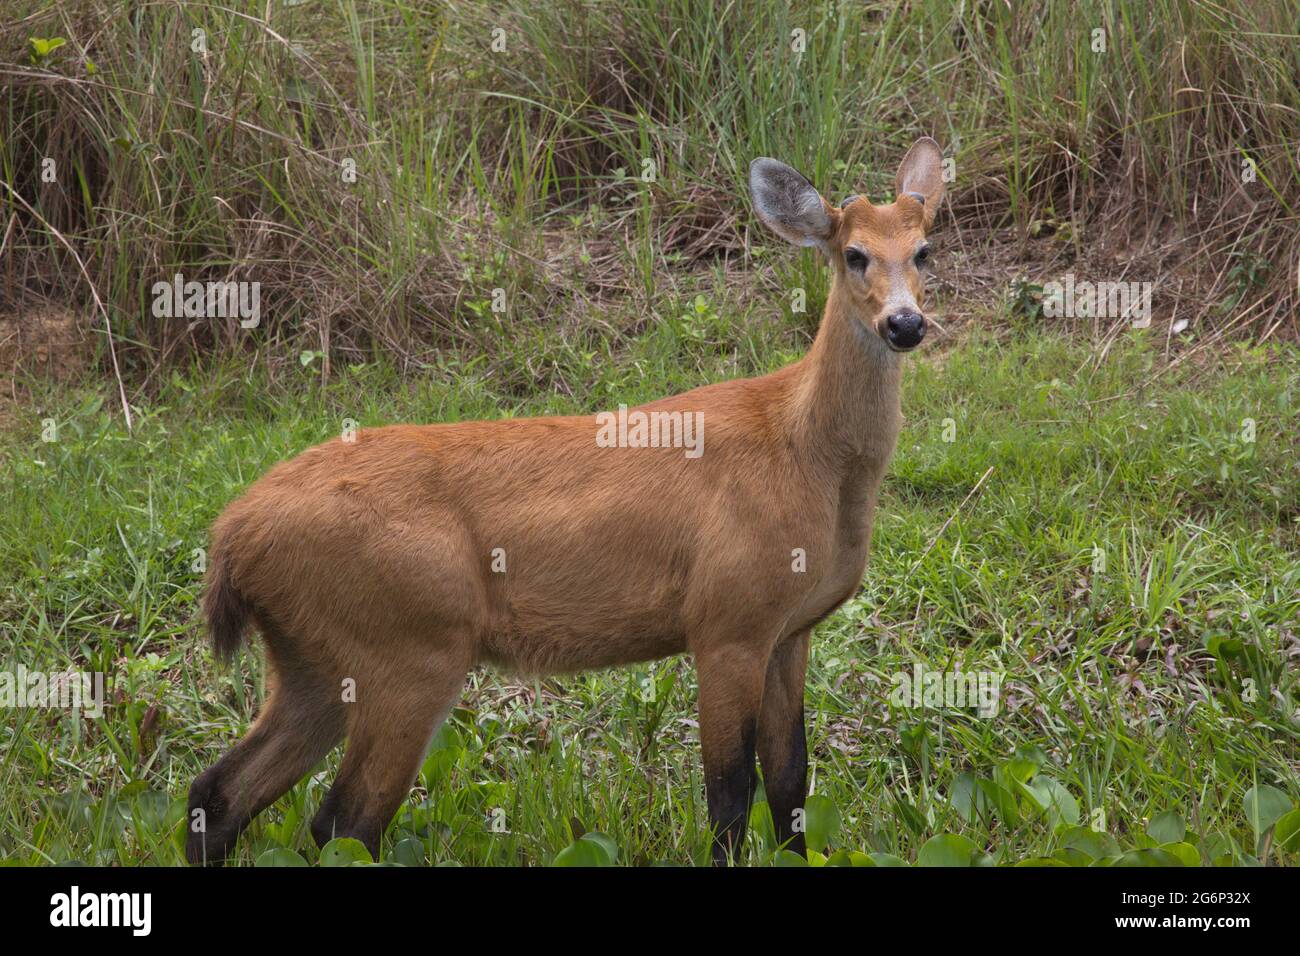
point(844, 409)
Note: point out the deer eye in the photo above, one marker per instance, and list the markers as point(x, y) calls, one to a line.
point(923, 257)
point(855, 259)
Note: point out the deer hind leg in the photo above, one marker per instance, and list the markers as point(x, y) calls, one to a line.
point(782, 744)
point(389, 726)
point(300, 723)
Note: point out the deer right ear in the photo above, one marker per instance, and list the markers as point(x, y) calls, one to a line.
point(920, 176)
point(789, 204)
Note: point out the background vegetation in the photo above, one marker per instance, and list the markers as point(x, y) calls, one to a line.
point(1150, 704)
point(521, 168)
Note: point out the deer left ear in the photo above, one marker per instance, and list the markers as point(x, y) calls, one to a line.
point(920, 175)
point(789, 205)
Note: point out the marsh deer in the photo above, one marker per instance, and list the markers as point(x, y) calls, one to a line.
point(380, 569)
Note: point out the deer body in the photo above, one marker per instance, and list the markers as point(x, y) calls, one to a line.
point(390, 564)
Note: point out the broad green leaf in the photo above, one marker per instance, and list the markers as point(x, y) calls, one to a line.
point(821, 821)
point(1264, 806)
point(1096, 845)
point(1286, 832)
point(1020, 769)
point(1151, 857)
point(1223, 647)
point(1041, 861)
point(1167, 827)
point(886, 859)
point(582, 853)
point(911, 817)
point(761, 824)
point(1052, 796)
point(1072, 857)
point(1032, 753)
point(606, 843)
point(1215, 844)
point(966, 797)
point(344, 851)
point(1186, 853)
point(408, 852)
point(788, 858)
point(947, 849)
point(1003, 802)
point(283, 832)
point(280, 856)
point(150, 809)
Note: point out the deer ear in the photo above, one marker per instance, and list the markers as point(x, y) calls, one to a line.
point(920, 175)
point(789, 204)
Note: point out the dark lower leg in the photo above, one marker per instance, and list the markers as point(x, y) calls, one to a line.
point(731, 681)
point(388, 734)
point(782, 744)
point(297, 728)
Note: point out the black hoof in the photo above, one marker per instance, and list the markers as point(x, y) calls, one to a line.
point(209, 833)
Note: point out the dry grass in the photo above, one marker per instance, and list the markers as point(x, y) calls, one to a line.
point(521, 169)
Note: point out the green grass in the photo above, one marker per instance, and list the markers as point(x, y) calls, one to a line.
point(1163, 682)
point(479, 169)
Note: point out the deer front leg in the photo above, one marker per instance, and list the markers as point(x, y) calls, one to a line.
point(731, 688)
point(782, 744)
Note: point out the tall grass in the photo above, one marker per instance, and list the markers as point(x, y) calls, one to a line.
point(575, 153)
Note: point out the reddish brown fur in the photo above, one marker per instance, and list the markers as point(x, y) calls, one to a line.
point(371, 561)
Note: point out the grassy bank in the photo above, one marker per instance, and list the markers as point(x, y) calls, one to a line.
point(1128, 569)
point(381, 168)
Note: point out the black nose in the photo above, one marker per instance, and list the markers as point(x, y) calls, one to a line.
point(906, 329)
